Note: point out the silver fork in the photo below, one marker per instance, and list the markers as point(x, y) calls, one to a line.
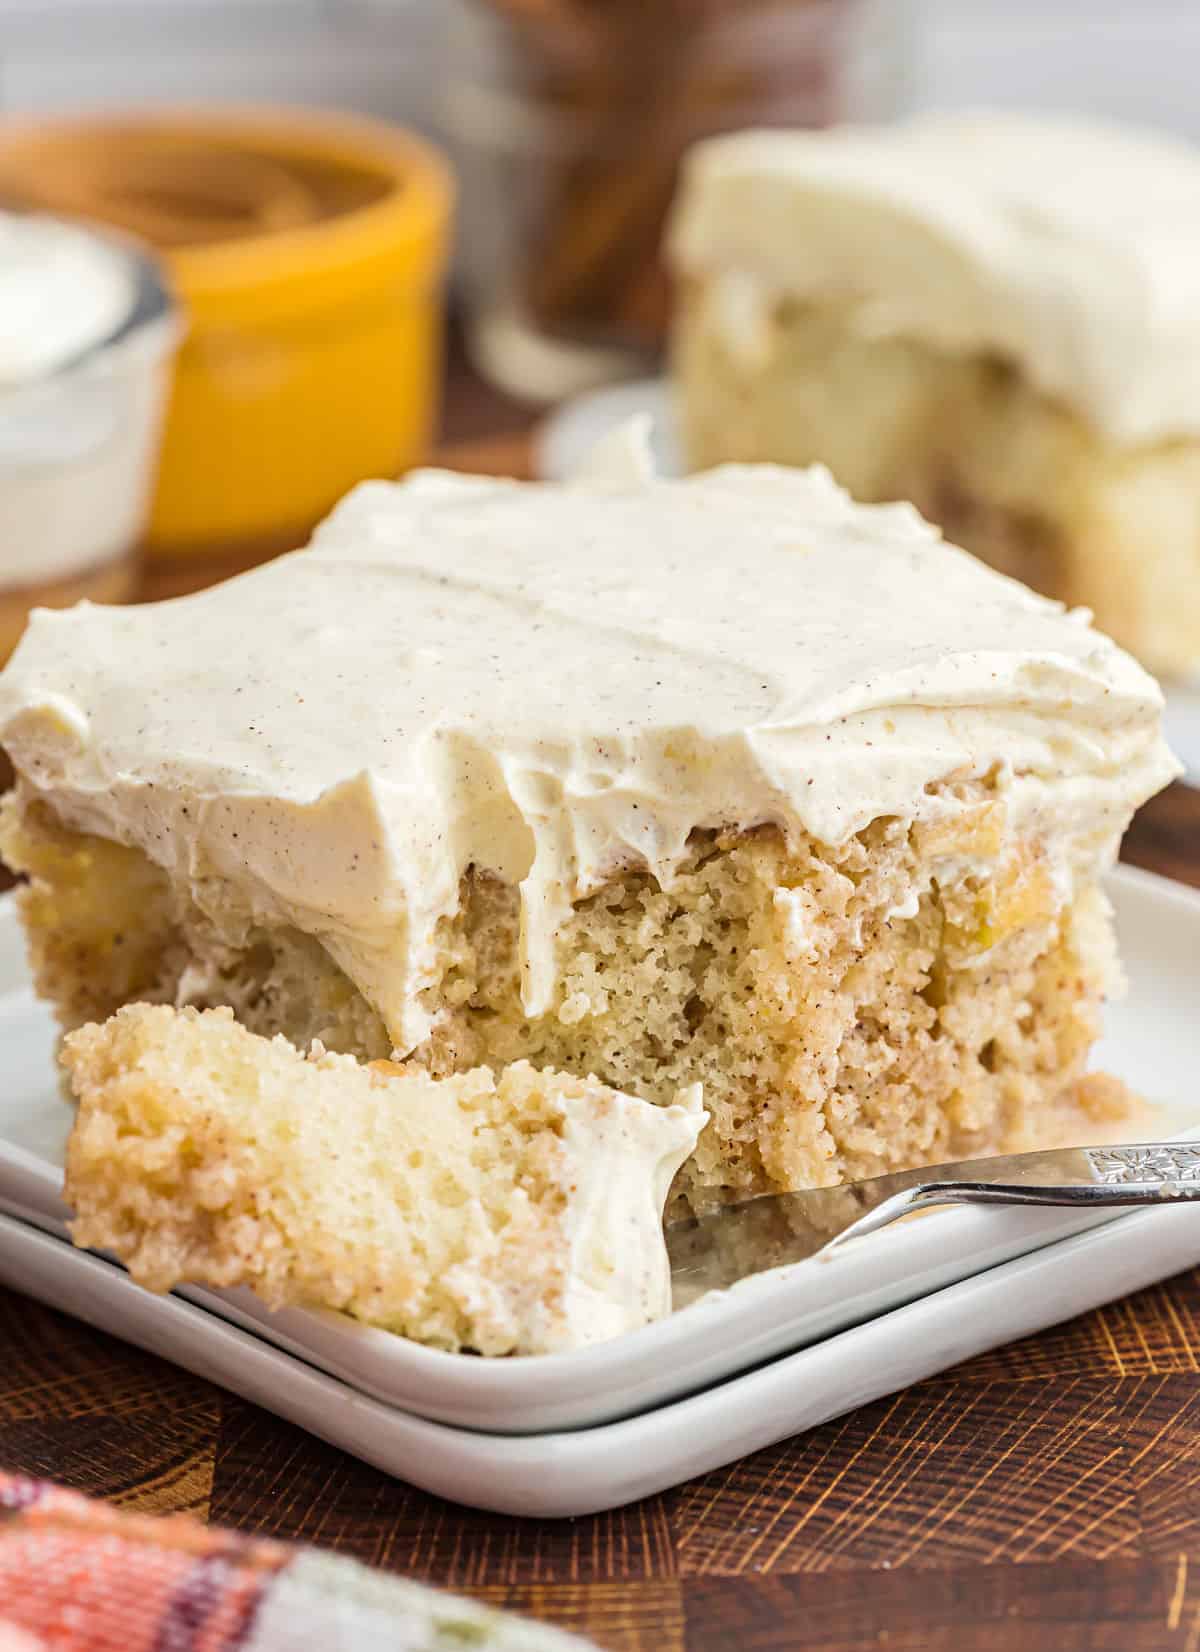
point(714, 1251)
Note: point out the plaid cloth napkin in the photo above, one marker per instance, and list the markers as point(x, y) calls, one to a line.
point(77, 1576)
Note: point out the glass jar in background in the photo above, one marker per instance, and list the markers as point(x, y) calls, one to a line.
point(568, 119)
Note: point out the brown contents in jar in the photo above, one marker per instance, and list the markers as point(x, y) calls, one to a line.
point(630, 86)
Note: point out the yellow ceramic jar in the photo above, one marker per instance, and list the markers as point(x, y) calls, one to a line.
point(307, 251)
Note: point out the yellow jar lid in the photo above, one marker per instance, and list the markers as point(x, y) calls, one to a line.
point(255, 210)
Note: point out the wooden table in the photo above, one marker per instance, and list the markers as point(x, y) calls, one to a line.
point(1042, 1498)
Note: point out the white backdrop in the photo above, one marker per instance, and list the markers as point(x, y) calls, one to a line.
point(1131, 59)
point(1134, 58)
point(372, 55)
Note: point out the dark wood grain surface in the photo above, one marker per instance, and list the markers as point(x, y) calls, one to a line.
point(1042, 1498)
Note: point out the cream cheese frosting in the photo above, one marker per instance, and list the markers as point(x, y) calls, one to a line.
point(1069, 247)
point(552, 681)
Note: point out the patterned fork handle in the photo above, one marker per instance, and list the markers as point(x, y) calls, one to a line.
point(714, 1251)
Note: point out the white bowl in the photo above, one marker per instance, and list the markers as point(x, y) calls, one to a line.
point(78, 445)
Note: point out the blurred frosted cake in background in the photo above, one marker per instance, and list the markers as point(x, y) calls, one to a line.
point(995, 316)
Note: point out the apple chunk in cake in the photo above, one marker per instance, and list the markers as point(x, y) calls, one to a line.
point(726, 781)
point(994, 317)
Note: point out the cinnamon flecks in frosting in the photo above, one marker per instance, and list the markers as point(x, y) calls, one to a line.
point(549, 683)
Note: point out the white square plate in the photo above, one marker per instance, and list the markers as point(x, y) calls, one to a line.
point(1150, 1042)
point(567, 1474)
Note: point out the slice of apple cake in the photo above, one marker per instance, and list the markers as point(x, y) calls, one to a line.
point(726, 781)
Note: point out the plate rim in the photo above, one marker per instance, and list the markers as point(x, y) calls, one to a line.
point(566, 1474)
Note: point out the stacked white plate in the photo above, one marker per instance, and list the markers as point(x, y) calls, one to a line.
point(569, 1434)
